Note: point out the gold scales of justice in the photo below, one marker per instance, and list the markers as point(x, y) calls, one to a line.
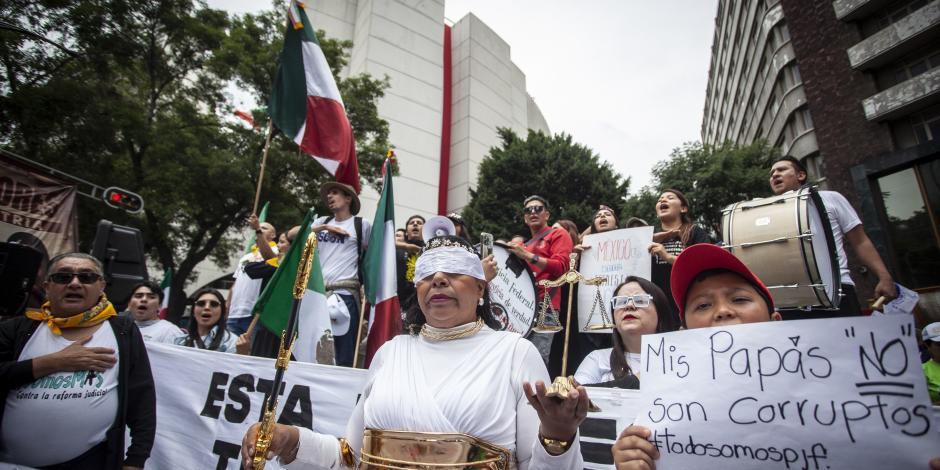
point(548, 321)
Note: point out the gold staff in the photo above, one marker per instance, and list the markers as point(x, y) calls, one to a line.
point(288, 336)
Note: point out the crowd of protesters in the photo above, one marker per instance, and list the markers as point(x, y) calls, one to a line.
point(77, 334)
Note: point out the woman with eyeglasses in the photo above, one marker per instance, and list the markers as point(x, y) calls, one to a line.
point(206, 328)
point(639, 308)
point(452, 392)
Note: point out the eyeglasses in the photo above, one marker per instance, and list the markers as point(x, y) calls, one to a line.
point(83, 277)
point(208, 303)
point(534, 209)
point(639, 301)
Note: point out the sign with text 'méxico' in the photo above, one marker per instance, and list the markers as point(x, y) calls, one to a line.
point(614, 255)
point(206, 400)
point(811, 394)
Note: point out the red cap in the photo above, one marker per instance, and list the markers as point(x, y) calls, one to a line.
point(702, 257)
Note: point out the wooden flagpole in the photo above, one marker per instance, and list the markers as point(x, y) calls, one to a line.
point(264, 160)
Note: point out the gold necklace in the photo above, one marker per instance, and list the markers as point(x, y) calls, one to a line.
point(428, 333)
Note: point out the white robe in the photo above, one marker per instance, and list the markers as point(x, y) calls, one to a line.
point(470, 385)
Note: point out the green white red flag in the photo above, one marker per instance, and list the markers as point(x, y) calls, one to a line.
point(165, 287)
point(305, 102)
point(313, 320)
point(380, 274)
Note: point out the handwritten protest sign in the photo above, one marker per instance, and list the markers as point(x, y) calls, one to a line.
point(615, 255)
point(811, 394)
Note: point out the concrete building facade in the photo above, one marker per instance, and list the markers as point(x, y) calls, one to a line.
point(452, 85)
point(852, 88)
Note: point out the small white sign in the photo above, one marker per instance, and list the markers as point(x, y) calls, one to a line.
point(614, 255)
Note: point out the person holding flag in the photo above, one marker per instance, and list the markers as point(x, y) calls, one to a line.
point(314, 332)
point(245, 290)
point(453, 383)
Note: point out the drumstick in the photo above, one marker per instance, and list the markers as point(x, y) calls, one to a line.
point(878, 302)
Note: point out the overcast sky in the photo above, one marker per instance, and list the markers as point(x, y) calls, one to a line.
point(624, 77)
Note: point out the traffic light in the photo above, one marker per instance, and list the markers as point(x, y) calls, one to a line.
point(123, 199)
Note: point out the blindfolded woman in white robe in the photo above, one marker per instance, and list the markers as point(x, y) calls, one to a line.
point(452, 373)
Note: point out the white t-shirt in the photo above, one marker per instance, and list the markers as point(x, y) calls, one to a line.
point(60, 416)
point(246, 290)
point(339, 255)
point(595, 368)
point(843, 219)
point(158, 331)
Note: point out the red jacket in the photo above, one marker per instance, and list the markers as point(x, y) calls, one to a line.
point(554, 248)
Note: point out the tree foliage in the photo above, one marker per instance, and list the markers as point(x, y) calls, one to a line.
point(711, 177)
point(143, 104)
point(570, 175)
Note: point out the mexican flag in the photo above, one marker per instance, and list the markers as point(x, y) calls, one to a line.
point(313, 320)
point(305, 103)
point(165, 287)
point(380, 274)
point(261, 218)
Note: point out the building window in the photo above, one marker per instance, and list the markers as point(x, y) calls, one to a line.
point(913, 68)
point(911, 201)
point(897, 14)
point(926, 126)
point(804, 121)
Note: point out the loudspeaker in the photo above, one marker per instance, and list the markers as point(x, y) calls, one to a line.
point(19, 266)
point(438, 226)
point(121, 250)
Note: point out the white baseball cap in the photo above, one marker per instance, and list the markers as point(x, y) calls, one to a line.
point(932, 332)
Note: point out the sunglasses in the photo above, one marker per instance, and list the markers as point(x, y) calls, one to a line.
point(639, 301)
point(83, 277)
point(533, 209)
point(208, 303)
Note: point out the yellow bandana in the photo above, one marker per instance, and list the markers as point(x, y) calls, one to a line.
point(254, 248)
point(95, 315)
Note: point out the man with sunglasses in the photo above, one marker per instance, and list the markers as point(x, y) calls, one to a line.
point(547, 252)
point(73, 377)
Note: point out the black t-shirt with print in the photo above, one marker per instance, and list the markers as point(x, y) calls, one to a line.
point(660, 270)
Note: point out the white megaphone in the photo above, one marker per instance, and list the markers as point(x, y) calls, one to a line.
point(438, 226)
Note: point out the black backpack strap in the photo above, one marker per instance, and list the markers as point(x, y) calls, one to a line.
point(357, 222)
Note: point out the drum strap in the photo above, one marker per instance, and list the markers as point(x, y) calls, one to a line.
point(542, 234)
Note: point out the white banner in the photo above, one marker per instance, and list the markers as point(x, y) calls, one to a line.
point(812, 394)
point(600, 430)
point(206, 400)
point(615, 255)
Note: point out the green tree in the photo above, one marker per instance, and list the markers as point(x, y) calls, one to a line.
point(711, 177)
point(570, 175)
point(142, 104)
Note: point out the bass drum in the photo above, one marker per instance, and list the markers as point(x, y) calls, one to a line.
point(513, 298)
point(787, 242)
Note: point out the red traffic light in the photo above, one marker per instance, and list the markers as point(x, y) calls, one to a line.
point(123, 199)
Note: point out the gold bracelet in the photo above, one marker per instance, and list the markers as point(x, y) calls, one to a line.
point(553, 446)
point(346, 453)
